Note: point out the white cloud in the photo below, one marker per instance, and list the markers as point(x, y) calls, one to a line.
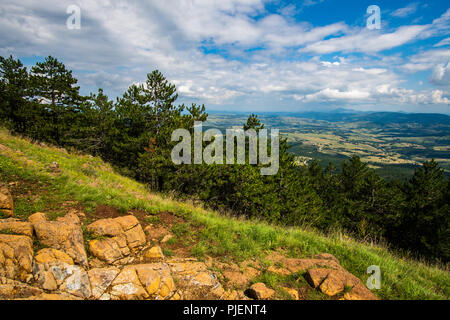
point(406, 11)
point(441, 75)
point(119, 42)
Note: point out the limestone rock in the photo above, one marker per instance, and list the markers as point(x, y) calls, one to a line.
point(316, 276)
point(37, 217)
point(70, 217)
point(143, 281)
point(6, 202)
point(10, 289)
point(154, 254)
point(61, 235)
point(16, 256)
point(125, 233)
point(110, 250)
point(48, 255)
point(359, 292)
point(16, 226)
point(279, 271)
point(196, 281)
point(326, 256)
point(64, 277)
point(259, 291)
point(330, 281)
point(101, 279)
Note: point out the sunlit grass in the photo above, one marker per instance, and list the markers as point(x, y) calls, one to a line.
point(92, 182)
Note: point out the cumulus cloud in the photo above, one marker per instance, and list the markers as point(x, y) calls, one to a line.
point(441, 75)
point(224, 52)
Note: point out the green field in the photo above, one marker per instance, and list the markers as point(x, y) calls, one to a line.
point(394, 149)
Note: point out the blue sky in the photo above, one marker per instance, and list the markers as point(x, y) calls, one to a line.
point(249, 55)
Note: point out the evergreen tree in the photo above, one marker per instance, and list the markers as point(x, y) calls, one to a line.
point(15, 110)
point(54, 87)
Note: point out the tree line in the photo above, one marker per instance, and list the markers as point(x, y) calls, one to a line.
point(134, 134)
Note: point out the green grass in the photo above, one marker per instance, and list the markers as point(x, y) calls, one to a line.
point(41, 190)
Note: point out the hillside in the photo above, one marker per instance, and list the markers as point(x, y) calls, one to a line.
point(238, 252)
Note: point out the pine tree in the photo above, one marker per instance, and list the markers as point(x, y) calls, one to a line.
point(54, 86)
point(15, 110)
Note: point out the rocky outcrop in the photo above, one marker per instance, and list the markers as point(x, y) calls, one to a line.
point(101, 279)
point(12, 289)
point(117, 239)
point(6, 202)
point(65, 235)
point(15, 226)
point(16, 257)
point(324, 273)
point(143, 281)
point(123, 266)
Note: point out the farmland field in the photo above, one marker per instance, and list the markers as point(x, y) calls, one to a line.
point(393, 144)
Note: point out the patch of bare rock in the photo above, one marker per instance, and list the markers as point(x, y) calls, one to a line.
point(42, 259)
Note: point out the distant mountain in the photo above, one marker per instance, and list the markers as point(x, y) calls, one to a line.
point(348, 115)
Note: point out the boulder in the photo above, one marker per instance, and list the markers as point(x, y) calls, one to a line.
point(101, 279)
point(359, 292)
point(16, 257)
point(336, 281)
point(124, 235)
point(195, 280)
point(37, 217)
point(6, 202)
point(259, 291)
point(61, 235)
point(143, 281)
point(154, 254)
point(16, 226)
point(111, 250)
point(316, 276)
point(58, 275)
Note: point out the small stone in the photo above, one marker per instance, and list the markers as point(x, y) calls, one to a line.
point(259, 291)
point(154, 254)
point(166, 238)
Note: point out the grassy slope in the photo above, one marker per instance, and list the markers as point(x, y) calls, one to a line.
point(90, 182)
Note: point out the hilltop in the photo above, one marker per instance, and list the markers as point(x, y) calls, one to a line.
point(224, 253)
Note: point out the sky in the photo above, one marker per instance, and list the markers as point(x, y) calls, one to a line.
point(247, 55)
